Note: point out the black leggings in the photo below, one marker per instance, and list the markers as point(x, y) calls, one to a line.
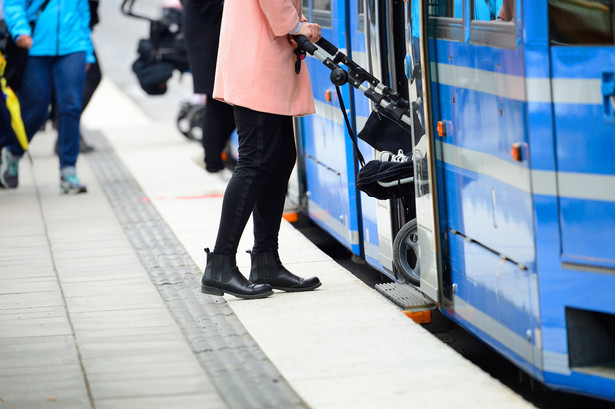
point(218, 125)
point(267, 155)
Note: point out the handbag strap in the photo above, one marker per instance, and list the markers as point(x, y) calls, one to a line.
point(41, 9)
point(353, 137)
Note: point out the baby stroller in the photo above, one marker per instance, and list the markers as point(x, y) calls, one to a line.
point(163, 52)
point(388, 130)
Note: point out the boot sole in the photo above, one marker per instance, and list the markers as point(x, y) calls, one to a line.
point(205, 289)
point(298, 289)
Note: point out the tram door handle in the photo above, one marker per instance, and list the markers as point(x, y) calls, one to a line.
point(608, 95)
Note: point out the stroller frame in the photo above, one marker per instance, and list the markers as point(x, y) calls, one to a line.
point(405, 247)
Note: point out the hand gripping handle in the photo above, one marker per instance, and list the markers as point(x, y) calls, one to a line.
point(305, 45)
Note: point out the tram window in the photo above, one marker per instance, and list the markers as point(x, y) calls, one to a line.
point(486, 10)
point(321, 12)
point(588, 22)
point(446, 18)
point(493, 23)
point(445, 8)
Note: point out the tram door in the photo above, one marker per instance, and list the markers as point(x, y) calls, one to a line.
point(326, 151)
point(417, 70)
point(583, 87)
point(377, 44)
point(366, 40)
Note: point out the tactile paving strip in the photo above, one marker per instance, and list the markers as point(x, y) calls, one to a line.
point(242, 373)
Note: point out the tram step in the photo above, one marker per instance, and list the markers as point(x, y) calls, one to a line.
point(416, 306)
point(405, 296)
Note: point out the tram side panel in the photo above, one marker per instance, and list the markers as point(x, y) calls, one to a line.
point(574, 183)
point(478, 104)
point(327, 151)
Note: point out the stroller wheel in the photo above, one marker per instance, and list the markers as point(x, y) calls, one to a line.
point(196, 119)
point(406, 252)
point(183, 123)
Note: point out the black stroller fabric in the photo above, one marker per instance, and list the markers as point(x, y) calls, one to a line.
point(162, 53)
point(376, 170)
point(384, 133)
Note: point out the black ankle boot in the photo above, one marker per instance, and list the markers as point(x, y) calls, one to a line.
point(268, 269)
point(222, 276)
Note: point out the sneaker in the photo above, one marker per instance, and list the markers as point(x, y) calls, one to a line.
point(9, 169)
point(70, 184)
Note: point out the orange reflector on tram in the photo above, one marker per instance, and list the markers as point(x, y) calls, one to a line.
point(516, 151)
point(328, 95)
point(441, 128)
point(420, 317)
point(291, 217)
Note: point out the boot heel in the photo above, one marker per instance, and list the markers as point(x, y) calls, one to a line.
point(205, 289)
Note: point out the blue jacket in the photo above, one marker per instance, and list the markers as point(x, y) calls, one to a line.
point(62, 28)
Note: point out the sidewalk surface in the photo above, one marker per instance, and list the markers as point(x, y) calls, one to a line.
point(100, 305)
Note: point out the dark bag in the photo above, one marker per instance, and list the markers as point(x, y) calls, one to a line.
point(384, 133)
point(153, 75)
point(376, 171)
point(16, 58)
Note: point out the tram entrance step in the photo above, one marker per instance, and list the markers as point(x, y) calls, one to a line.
point(405, 296)
point(415, 305)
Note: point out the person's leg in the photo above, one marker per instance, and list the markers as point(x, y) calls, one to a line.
point(218, 124)
point(267, 215)
point(259, 153)
point(68, 78)
point(259, 149)
point(34, 98)
point(93, 77)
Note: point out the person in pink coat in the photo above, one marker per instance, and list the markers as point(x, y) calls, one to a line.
point(256, 74)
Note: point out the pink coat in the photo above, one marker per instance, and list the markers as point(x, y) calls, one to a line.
point(256, 63)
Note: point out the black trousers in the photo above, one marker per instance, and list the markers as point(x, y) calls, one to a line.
point(218, 125)
point(267, 155)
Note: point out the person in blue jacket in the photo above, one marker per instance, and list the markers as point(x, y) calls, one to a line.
point(57, 35)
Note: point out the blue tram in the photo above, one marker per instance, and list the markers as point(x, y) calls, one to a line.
point(513, 220)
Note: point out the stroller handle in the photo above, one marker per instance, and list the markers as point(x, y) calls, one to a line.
point(306, 45)
point(126, 9)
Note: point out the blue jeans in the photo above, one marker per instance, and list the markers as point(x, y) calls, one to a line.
point(65, 75)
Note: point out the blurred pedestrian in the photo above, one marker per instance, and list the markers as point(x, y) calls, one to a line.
point(93, 76)
point(256, 73)
point(202, 19)
point(507, 11)
point(60, 50)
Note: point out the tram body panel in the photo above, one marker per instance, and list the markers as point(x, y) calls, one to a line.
point(477, 98)
point(585, 145)
point(576, 220)
point(328, 154)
